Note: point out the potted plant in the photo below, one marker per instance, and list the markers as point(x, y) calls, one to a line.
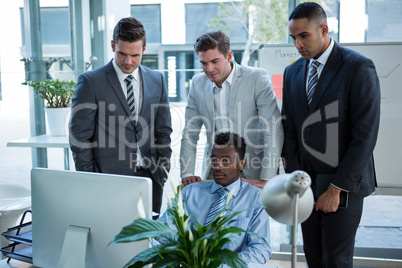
point(191, 245)
point(57, 95)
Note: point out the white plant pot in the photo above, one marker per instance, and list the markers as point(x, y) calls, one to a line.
point(57, 120)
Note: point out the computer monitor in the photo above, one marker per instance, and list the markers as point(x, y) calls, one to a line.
point(70, 200)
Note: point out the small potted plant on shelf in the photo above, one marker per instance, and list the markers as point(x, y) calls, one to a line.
point(57, 95)
point(191, 245)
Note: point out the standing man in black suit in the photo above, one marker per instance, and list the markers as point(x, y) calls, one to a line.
point(331, 117)
point(120, 118)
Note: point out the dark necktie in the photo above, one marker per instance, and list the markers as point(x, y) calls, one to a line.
point(130, 93)
point(218, 206)
point(312, 81)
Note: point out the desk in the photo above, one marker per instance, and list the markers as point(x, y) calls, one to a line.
point(45, 141)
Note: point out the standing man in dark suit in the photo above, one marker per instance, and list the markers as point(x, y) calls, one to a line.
point(331, 117)
point(120, 119)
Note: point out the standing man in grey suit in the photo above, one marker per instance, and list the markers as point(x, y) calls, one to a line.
point(120, 120)
point(229, 97)
point(331, 114)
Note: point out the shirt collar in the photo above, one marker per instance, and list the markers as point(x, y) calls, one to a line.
point(229, 79)
point(235, 185)
point(122, 75)
point(324, 57)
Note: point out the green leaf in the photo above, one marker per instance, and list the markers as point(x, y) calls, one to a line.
point(148, 256)
point(229, 257)
point(231, 231)
point(56, 93)
point(218, 244)
point(166, 239)
point(170, 261)
point(221, 222)
point(136, 265)
point(214, 264)
point(161, 254)
point(142, 229)
point(210, 233)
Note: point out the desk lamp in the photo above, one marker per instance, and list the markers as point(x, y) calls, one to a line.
point(289, 199)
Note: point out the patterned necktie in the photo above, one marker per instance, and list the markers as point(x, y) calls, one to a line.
point(218, 205)
point(312, 81)
point(130, 93)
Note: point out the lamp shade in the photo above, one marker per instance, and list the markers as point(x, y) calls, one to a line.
point(278, 194)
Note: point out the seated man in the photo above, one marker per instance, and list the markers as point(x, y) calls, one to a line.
point(227, 161)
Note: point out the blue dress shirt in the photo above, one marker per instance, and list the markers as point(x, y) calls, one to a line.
point(199, 198)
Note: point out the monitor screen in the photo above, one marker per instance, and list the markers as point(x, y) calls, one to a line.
point(102, 203)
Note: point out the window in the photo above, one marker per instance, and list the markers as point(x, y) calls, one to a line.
point(384, 21)
point(150, 61)
point(150, 17)
point(180, 67)
point(364, 20)
point(55, 26)
point(331, 8)
point(56, 40)
point(198, 17)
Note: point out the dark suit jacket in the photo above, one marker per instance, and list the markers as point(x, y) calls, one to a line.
point(104, 139)
point(337, 134)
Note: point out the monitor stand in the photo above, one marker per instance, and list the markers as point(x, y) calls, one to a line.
point(73, 253)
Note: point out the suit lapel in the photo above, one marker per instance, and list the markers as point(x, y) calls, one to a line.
point(145, 91)
point(116, 86)
point(332, 66)
point(209, 97)
point(300, 88)
point(233, 88)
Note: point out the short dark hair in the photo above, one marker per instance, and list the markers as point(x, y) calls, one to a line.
point(310, 11)
point(232, 139)
point(129, 30)
point(212, 40)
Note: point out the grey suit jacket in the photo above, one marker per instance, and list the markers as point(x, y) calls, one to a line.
point(338, 133)
point(253, 112)
point(103, 138)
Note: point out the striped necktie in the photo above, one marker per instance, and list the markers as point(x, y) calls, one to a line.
point(130, 93)
point(218, 206)
point(312, 81)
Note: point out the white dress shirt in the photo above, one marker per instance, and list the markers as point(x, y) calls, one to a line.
point(136, 87)
point(322, 60)
point(221, 103)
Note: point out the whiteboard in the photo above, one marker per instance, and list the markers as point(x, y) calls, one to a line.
point(387, 58)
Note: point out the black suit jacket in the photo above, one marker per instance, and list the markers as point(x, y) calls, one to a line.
point(103, 138)
point(338, 132)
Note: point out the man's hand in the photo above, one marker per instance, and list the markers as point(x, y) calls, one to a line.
point(190, 179)
point(329, 200)
point(258, 183)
